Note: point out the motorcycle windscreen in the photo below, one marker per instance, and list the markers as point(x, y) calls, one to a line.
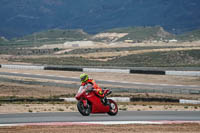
point(79, 93)
point(80, 90)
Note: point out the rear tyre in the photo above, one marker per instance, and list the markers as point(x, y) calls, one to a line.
point(85, 111)
point(113, 107)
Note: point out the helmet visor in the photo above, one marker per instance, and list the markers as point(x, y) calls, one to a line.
point(84, 78)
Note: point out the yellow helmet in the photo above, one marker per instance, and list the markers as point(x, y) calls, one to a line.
point(84, 77)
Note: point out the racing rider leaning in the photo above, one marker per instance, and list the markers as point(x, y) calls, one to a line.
point(91, 84)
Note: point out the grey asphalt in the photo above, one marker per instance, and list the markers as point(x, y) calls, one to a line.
point(121, 116)
point(103, 82)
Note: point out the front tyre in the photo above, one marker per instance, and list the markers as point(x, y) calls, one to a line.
point(113, 107)
point(85, 111)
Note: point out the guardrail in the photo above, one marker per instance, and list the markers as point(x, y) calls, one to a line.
point(147, 72)
point(183, 73)
point(184, 101)
point(22, 67)
point(117, 99)
point(83, 69)
point(132, 99)
point(106, 70)
point(63, 68)
point(167, 91)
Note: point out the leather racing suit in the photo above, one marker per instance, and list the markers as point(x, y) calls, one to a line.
point(98, 90)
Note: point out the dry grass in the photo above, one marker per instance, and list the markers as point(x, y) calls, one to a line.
point(36, 91)
point(71, 107)
point(109, 55)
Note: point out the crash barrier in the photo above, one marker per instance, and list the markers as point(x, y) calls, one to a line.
point(106, 70)
point(82, 69)
point(153, 99)
point(124, 71)
point(164, 90)
point(22, 67)
point(147, 72)
point(117, 99)
point(135, 99)
point(63, 68)
point(183, 73)
point(189, 101)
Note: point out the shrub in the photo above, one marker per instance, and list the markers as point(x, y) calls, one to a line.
point(60, 109)
point(124, 109)
point(56, 49)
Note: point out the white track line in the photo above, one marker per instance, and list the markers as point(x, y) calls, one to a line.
point(99, 123)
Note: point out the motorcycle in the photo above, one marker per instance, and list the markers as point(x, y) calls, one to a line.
point(89, 102)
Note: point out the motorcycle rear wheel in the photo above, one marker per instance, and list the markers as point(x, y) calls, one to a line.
point(85, 111)
point(113, 107)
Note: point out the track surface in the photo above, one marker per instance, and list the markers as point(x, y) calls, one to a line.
point(122, 116)
point(62, 78)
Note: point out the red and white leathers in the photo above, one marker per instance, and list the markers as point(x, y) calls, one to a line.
point(98, 90)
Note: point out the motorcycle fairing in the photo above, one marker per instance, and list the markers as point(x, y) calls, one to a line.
point(97, 105)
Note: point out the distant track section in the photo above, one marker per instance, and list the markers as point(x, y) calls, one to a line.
point(157, 88)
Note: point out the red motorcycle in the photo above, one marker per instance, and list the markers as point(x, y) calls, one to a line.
point(89, 102)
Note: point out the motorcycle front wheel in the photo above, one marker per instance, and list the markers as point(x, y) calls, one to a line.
point(85, 111)
point(113, 107)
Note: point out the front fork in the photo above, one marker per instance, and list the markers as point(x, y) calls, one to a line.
point(85, 103)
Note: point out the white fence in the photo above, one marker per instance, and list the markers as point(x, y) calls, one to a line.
point(183, 73)
point(22, 67)
point(189, 101)
point(106, 70)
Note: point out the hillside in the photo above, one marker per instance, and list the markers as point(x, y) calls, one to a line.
point(189, 36)
point(133, 34)
point(23, 17)
point(3, 39)
point(143, 33)
point(54, 35)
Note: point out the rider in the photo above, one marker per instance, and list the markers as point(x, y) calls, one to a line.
point(85, 80)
